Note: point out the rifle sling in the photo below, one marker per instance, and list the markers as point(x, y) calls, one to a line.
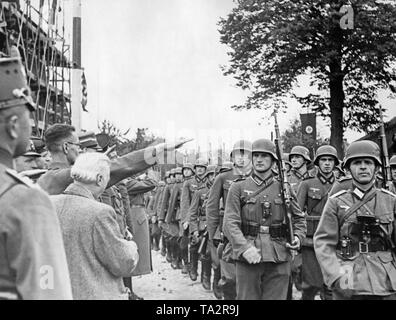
point(357, 206)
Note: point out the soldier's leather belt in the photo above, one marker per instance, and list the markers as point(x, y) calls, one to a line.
point(363, 247)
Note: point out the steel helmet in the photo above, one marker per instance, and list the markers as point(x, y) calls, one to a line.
point(300, 151)
point(172, 172)
point(327, 150)
point(392, 161)
point(227, 165)
point(211, 169)
point(242, 145)
point(200, 162)
point(266, 146)
point(188, 165)
point(179, 170)
point(362, 149)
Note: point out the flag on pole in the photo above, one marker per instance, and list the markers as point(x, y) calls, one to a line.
point(84, 99)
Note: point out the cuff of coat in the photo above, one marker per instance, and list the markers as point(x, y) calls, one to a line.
point(243, 249)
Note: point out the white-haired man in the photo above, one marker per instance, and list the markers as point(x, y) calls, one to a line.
point(98, 256)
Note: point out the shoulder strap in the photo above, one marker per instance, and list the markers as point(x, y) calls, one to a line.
point(357, 206)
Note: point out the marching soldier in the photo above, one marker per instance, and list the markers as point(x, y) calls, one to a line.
point(299, 160)
point(392, 163)
point(190, 186)
point(33, 263)
point(198, 227)
point(155, 231)
point(173, 221)
point(163, 213)
point(254, 222)
point(354, 241)
point(241, 158)
point(161, 217)
point(312, 195)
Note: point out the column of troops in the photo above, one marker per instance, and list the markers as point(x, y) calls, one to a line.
point(82, 230)
point(342, 216)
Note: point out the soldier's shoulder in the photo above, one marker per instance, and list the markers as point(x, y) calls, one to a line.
point(384, 191)
point(338, 194)
point(344, 179)
point(13, 177)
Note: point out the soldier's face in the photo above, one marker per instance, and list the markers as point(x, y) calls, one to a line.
point(24, 163)
point(326, 164)
point(73, 148)
point(199, 170)
point(179, 177)
point(211, 177)
point(363, 170)
point(297, 161)
point(187, 172)
point(262, 162)
point(393, 172)
point(241, 158)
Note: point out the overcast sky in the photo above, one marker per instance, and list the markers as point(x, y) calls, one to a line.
point(156, 64)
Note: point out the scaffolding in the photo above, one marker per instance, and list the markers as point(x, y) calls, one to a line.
point(45, 55)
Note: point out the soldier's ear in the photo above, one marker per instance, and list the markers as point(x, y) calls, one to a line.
point(99, 180)
point(12, 126)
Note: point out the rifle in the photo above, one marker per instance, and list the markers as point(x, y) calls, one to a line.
point(386, 169)
point(285, 187)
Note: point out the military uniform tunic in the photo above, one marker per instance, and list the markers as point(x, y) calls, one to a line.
point(259, 221)
point(33, 263)
point(312, 196)
point(173, 213)
point(137, 222)
point(295, 178)
point(369, 271)
point(188, 190)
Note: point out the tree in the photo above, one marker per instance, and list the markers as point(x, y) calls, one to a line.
point(273, 42)
point(116, 135)
point(293, 136)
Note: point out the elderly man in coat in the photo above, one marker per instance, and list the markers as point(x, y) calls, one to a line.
point(97, 253)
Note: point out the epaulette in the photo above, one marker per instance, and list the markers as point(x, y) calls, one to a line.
point(240, 179)
point(338, 194)
point(344, 178)
point(24, 180)
point(388, 192)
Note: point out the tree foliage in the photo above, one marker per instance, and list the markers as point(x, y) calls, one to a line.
point(293, 137)
point(273, 42)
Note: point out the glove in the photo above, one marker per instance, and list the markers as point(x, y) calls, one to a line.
point(295, 245)
point(185, 225)
point(128, 235)
point(252, 255)
point(194, 237)
point(342, 290)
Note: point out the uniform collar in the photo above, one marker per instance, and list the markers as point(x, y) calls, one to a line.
point(58, 165)
point(257, 180)
point(325, 180)
point(359, 193)
point(299, 175)
point(79, 190)
point(6, 158)
point(200, 180)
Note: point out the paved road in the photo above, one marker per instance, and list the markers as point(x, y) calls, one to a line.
point(165, 283)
